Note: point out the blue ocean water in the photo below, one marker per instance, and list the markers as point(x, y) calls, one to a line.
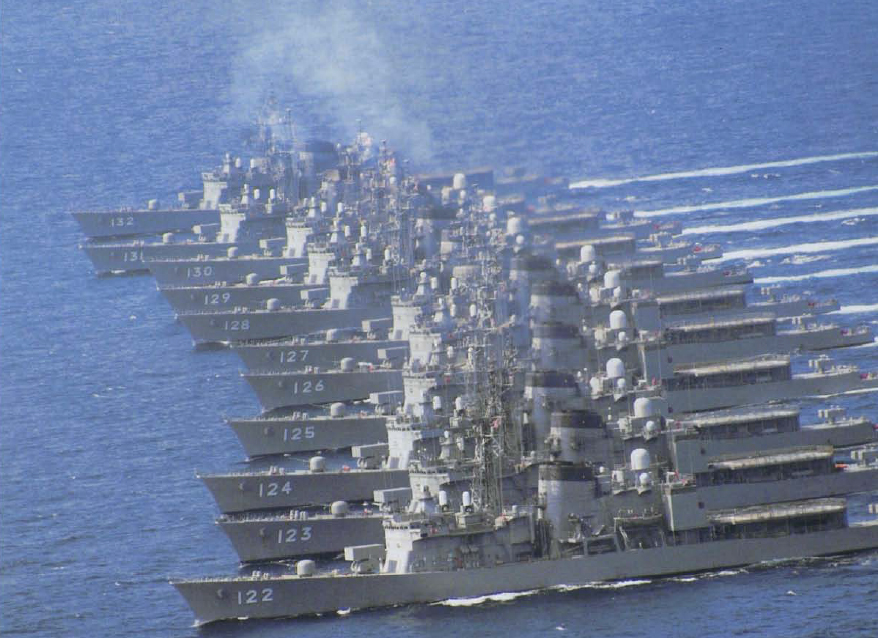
point(105, 409)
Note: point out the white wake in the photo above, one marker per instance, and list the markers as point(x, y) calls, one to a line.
point(813, 247)
point(823, 274)
point(754, 201)
point(480, 600)
point(855, 309)
point(720, 171)
point(764, 224)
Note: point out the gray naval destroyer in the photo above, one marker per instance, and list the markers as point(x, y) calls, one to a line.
point(614, 477)
point(339, 425)
point(151, 220)
point(433, 553)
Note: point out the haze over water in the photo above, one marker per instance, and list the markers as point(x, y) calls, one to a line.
point(756, 124)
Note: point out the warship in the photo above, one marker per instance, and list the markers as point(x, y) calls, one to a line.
point(687, 342)
point(651, 274)
point(584, 225)
point(277, 487)
point(768, 378)
point(650, 312)
point(732, 301)
point(656, 353)
point(323, 350)
point(230, 268)
point(131, 257)
point(744, 493)
point(253, 292)
point(345, 425)
point(760, 379)
point(274, 321)
point(465, 554)
point(151, 220)
point(308, 532)
point(492, 386)
point(350, 381)
point(236, 207)
point(663, 246)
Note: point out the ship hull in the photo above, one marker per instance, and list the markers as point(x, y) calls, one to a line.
point(693, 455)
point(781, 309)
point(640, 229)
point(265, 539)
point(289, 596)
point(217, 297)
point(261, 437)
point(673, 254)
point(674, 283)
point(669, 255)
point(805, 385)
point(219, 327)
point(245, 492)
point(840, 483)
point(230, 270)
point(142, 222)
point(134, 255)
point(796, 307)
point(291, 356)
point(290, 389)
point(656, 362)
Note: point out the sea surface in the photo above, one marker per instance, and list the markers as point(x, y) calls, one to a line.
point(755, 123)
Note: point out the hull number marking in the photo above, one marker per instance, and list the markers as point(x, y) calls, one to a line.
point(255, 596)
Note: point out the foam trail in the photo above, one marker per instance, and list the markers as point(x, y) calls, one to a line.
point(619, 584)
point(754, 202)
point(720, 171)
point(799, 260)
point(855, 309)
point(479, 600)
point(764, 224)
point(824, 274)
point(847, 393)
point(814, 247)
